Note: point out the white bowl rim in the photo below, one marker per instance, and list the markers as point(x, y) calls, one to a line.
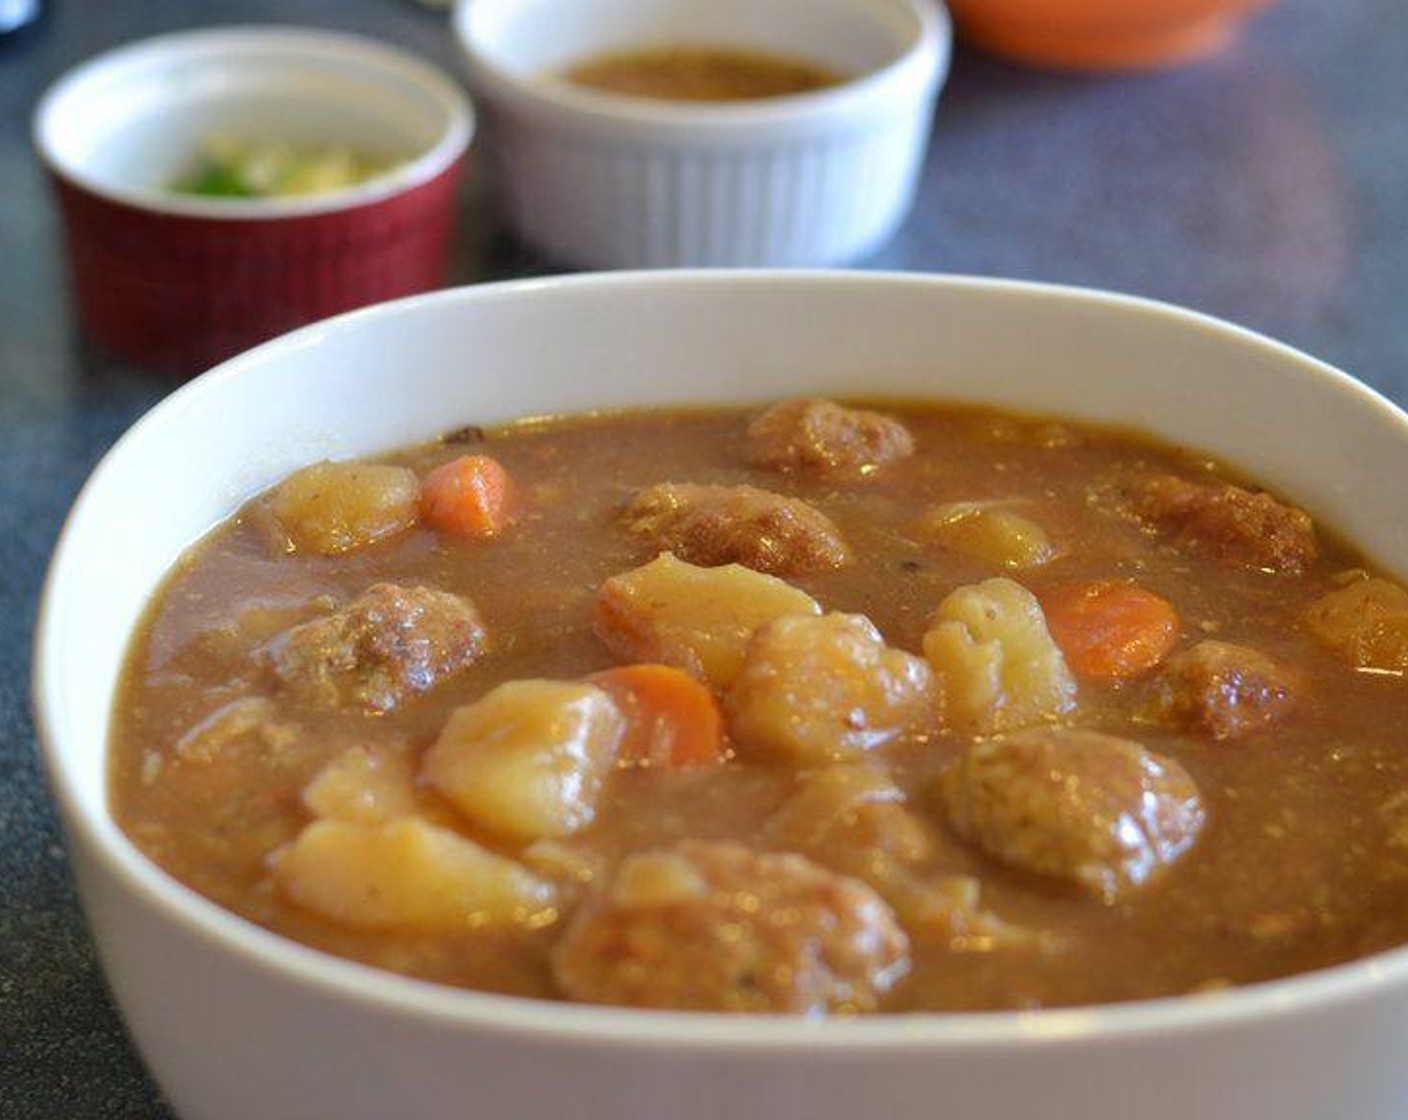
point(1235, 1008)
point(924, 60)
point(276, 39)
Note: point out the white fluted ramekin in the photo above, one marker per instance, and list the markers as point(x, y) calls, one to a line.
point(601, 180)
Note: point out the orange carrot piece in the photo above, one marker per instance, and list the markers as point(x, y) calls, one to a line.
point(672, 719)
point(1110, 630)
point(472, 496)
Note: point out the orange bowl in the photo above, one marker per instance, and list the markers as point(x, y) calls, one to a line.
point(1102, 34)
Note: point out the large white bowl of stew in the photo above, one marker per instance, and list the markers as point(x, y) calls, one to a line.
point(891, 695)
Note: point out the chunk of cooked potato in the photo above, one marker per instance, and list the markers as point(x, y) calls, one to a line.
point(988, 532)
point(247, 723)
point(1102, 813)
point(330, 508)
point(406, 874)
point(820, 689)
point(362, 786)
point(528, 759)
point(699, 619)
point(1365, 622)
point(996, 664)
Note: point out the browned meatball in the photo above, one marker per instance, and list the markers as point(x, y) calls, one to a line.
point(823, 437)
point(1100, 812)
point(714, 525)
point(386, 645)
point(1223, 690)
point(721, 927)
point(1229, 523)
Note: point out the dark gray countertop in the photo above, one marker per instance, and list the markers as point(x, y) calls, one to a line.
point(1268, 185)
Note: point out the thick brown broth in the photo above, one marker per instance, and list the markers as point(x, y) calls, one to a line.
point(685, 73)
point(1294, 869)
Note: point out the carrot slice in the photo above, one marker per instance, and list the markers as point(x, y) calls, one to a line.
point(1110, 630)
point(672, 719)
point(472, 496)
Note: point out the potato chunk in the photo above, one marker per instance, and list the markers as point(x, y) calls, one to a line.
point(699, 619)
point(251, 722)
point(761, 530)
point(1366, 623)
point(406, 874)
point(996, 664)
point(528, 759)
point(1099, 812)
point(362, 786)
point(988, 532)
point(818, 689)
point(822, 437)
point(720, 927)
point(331, 508)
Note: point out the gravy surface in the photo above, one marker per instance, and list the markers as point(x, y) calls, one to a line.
point(1302, 861)
point(686, 73)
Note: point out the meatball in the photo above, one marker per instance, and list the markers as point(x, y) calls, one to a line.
point(822, 437)
point(1229, 523)
point(1099, 812)
point(819, 689)
point(713, 525)
point(852, 819)
point(720, 927)
point(1223, 690)
point(387, 645)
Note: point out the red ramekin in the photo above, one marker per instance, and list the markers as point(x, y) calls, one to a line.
point(178, 281)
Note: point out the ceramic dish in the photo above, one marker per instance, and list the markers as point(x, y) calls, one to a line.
point(602, 180)
point(236, 1022)
point(1103, 34)
point(178, 280)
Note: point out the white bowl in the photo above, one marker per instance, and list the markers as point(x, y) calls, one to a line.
point(238, 1023)
point(600, 180)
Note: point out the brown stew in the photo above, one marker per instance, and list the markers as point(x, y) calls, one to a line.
point(811, 709)
point(684, 73)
